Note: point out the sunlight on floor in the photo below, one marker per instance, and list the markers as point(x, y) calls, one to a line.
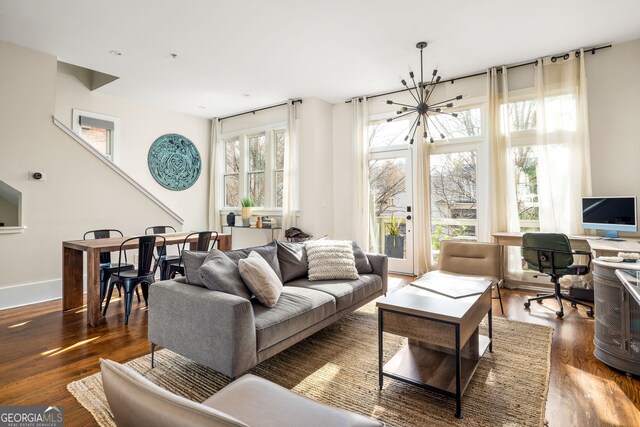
point(324, 375)
point(71, 347)
point(45, 353)
point(17, 325)
point(596, 389)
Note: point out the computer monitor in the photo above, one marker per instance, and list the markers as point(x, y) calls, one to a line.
point(611, 214)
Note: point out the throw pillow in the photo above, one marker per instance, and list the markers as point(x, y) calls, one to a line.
point(331, 259)
point(219, 273)
point(192, 261)
point(269, 252)
point(362, 262)
point(293, 260)
point(260, 278)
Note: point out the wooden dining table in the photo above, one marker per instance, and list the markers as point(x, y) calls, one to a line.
point(72, 267)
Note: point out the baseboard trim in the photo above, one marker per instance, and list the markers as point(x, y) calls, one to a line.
point(32, 293)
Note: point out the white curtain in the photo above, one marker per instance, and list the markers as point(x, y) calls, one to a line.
point(360, 224)
point(215, 148)
point(290, 171)
point(503, 198)
point(562, 142)
point(421, 206)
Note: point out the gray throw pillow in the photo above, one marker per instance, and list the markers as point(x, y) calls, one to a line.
point(219, 273)
point(293, 260)
point(362, 262)
point(269, 252)
point(192, 261)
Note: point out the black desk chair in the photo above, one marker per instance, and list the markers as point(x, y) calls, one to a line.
point(144, 275)
point(551, 254)
point(204, 239)
point(107, 268)
point(165, 260)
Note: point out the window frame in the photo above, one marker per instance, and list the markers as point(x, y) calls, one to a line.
point(275, 169)
point(114, 143)
point(243, 136)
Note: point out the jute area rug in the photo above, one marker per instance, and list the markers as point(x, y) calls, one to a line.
point(338, 366)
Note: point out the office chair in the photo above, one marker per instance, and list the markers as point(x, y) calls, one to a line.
point(551, 254)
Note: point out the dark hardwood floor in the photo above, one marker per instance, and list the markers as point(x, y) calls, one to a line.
point(42, 350)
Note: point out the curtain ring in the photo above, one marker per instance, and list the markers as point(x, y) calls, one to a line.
point(536, 64)
point(566, 56)
point(577, 54)
point(554, 59)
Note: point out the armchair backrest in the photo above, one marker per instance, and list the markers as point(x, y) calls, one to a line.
point(478, 259)
point(546, 252)
point(136, 401)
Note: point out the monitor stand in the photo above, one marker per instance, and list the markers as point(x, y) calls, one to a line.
point(612, 236)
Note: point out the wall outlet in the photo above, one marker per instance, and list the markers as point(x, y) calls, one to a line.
point(37, 176)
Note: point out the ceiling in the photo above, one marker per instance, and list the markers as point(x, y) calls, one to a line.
point(235, 56)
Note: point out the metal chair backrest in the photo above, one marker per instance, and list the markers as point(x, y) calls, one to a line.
point(146, 245)
point(547, 252)
point(105, 257)
point(160, 229)
point(204, 239)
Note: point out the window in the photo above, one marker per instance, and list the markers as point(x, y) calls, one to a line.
point(467, 124)
point(454, 197)
point(383, 134)
point(98, 130)
point(278, 171)
point(232, 172)
point(253, 167)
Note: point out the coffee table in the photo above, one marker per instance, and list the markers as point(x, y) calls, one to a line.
point(444, 346)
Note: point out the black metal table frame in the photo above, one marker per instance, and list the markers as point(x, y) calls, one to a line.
point(458, 394)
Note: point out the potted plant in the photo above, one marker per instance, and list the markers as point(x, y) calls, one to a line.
point(393, 240)
point(246, 204)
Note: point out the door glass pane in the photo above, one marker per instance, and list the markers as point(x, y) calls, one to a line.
point(389, 199)
point(453, 198)
point(525, 167)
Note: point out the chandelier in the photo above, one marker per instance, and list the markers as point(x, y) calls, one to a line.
point(421, 93)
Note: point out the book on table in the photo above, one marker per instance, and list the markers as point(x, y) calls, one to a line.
point(453, 287)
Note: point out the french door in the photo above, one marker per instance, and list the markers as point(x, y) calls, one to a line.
point(391, 202)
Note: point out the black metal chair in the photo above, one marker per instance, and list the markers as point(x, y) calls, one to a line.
point(144, 275)
point(107, 268)
point(204, 239)
point(164, 259)
point(551, 254)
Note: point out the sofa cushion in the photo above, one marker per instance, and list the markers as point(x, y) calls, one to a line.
point(260, 279)
point(331, 259)
point(219, 273)
point(269, 252)
point(345, 292)
point(192, 261)
point(293, 260)
point(296, 310)
point(362, 262)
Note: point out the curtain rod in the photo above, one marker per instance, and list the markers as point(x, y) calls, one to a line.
point(483, 73)
point(295, 101)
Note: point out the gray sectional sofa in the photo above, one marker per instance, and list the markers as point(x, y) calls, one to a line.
point(232, 334)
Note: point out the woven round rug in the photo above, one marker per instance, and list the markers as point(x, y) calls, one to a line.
point(339, 366)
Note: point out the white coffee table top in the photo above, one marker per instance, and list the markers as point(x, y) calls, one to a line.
point(414, 300)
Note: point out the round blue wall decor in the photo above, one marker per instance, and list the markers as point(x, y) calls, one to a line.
point(174, 162)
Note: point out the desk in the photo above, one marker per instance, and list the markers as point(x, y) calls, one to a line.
point(72, 268)
point(598, 246)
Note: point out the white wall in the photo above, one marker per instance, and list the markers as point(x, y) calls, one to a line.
point(614, 111)
point(79, 193)
point(140, 125)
